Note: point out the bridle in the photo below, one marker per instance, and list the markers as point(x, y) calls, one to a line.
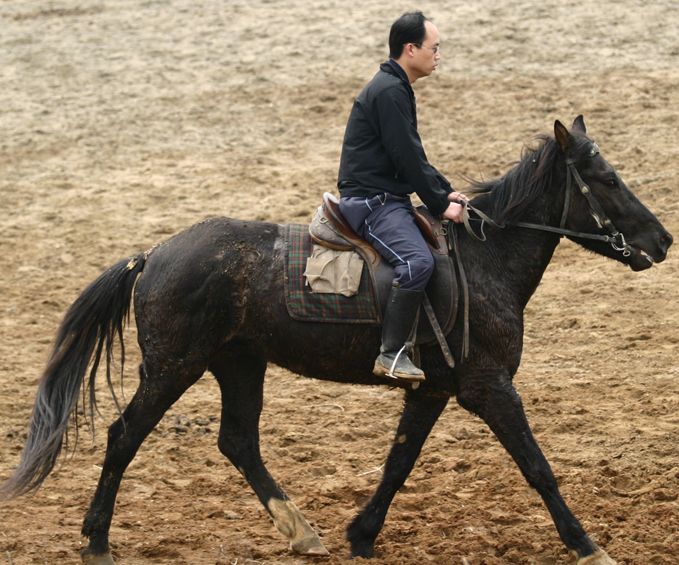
point(615, 238)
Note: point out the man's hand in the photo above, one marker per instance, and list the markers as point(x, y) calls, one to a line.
point(454, 210)
point(457, 197)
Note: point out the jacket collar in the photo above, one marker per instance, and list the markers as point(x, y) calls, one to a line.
point(392, 67)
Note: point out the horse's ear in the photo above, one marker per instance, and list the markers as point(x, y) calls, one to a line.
point(563, 137)
point(579, 125)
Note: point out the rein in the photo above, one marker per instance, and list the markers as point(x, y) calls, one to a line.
point(615, 238)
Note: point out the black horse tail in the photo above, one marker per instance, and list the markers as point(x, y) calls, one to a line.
point(90, 325)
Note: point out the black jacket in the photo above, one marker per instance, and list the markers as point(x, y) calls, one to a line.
point(382, 151)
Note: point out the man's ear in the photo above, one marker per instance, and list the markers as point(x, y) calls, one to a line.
point(563, 136)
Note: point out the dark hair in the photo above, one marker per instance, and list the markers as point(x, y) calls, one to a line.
point(409, 28)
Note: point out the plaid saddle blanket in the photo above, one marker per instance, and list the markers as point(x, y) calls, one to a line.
point(305, 306)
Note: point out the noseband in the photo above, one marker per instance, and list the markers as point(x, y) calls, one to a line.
point(616, 239)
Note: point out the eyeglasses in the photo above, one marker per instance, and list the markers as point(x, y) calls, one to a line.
point(419, 46)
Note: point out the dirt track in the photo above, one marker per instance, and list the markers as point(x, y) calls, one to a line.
point(125, 122)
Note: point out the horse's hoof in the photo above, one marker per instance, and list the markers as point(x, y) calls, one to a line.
point(309, 545)
point(290, 522)
point(599, 557)
point(90, 558)
point(366, 553)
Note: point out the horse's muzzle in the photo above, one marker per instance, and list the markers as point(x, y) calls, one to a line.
point(645, 252)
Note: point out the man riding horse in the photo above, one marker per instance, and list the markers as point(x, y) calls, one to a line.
point(382, 163)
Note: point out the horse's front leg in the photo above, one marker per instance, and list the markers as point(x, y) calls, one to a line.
point(419, 416)
point(494, 398)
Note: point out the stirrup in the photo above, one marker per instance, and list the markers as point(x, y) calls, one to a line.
point(384, 370)
point(393, 365)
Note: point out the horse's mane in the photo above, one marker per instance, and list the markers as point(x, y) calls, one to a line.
point(510, 195)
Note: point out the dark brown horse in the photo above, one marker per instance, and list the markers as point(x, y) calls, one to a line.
point(212, 298)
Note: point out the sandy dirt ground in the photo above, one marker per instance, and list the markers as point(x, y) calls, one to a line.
point(123, 122)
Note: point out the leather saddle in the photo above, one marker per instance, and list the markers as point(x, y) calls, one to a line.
point(330, 229)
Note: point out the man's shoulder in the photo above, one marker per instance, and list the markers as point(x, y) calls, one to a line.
point(384, 83)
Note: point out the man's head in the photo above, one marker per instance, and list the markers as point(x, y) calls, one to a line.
point(414, 45)
point(409, 28)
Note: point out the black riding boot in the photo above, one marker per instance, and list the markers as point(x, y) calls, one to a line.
point(399, 319)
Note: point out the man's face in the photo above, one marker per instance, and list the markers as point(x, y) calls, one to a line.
point(426, 58)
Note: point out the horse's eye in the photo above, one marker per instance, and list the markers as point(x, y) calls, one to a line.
point(612, 183)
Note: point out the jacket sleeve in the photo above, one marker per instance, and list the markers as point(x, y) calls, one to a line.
point(396, 118)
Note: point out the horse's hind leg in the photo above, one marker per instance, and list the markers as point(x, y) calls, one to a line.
point(419, 416)
point(241, 378)
point(157, 391)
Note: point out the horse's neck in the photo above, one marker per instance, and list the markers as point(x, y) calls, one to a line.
point(516, 258)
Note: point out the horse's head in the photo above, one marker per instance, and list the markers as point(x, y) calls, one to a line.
point(599, 202)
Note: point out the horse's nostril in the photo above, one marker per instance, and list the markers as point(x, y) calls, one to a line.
point(665, 242)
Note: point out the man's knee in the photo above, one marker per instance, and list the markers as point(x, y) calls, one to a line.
point(415, 274)
point(424, 264)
